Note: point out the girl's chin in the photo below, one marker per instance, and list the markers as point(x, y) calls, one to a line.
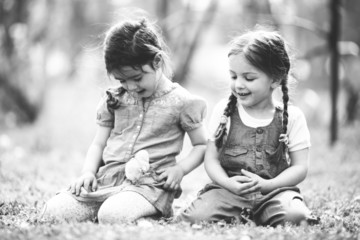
point(142, 94)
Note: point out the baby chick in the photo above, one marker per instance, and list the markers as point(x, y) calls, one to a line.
point(137, 166)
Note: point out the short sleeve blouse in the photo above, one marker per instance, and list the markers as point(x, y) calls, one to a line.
point(157, 124)
point(104, 117)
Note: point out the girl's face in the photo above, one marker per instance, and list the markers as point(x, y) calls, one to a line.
point(252, 87)
point(140, 83)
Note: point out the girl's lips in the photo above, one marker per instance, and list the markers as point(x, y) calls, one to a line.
point(137, 92)
point(242, 94)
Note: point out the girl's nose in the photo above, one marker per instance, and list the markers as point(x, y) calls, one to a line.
point(131, 86)
point(239, 83)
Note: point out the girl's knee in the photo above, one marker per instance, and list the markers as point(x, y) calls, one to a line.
point(125, 207)
point(296, 211)
point(278, 212)
point(294, 216)
point(191, 216)
point(108, 215)
point(194, 214)
point(64, 207)
point(55, 208)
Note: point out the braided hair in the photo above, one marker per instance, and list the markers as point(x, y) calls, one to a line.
point(266, 51)
point(221, 131)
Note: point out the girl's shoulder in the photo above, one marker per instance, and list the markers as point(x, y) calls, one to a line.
point(296, 119)
point(295, 112)
point(185, 97)
point(119, 95)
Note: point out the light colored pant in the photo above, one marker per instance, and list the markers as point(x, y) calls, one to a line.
point(220, 204)
point(125, 206)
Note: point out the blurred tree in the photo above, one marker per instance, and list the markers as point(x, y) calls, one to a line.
point(13, 58)
point(351, 34)
point(33, 34)
point(183, 36)
point(331, 31)
point(187, 50)
point(334, 36)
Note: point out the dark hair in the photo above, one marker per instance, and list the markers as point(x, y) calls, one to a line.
point(134, 43)
point(266, 51)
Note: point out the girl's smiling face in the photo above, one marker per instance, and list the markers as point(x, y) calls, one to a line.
point(252, 87)
point(140, 83)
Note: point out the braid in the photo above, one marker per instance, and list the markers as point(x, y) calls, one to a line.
point(113, 102)
point(285, 91)
point(221, 130)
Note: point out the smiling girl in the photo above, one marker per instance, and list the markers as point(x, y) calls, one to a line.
point(256, 165)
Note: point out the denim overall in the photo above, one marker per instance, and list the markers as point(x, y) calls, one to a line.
point(259, 151)
point(256, 150)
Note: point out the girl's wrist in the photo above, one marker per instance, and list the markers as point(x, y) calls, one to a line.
point(181, 170)
point(268, 186)
point(225, 182)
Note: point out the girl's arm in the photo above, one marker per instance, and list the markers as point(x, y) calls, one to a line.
point(291, 176)
point(92, 162)
point(198, 138)
point(94, 154)
point(212, 165)
point(237, 184)
point(175, 174)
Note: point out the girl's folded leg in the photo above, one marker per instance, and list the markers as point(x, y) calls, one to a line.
point(65, 207)
point(216, 205)
point(287, 206)
point(126, 207)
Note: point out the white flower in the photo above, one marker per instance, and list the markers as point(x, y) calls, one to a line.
point(137, 166)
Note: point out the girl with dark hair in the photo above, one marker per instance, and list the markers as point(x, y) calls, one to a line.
point(260, 149)
point(130, 169)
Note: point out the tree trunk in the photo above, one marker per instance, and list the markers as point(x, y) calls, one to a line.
point(334, 66)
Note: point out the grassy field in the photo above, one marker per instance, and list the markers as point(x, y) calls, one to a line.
point(30, 174)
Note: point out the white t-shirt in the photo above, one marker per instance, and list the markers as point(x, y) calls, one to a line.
point(297, 130)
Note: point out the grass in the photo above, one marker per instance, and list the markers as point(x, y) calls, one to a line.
point(30, 175)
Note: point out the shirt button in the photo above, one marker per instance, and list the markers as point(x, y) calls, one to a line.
point(140, 115)
point(138, 126)
point(258, 149)
point(259, 131)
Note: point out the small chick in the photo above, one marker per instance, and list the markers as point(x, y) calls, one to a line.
point(137, 166)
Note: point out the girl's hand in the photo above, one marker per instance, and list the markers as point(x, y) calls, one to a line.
point(262, 183)
point(241, 185)
point(87, 181)
point(173, 176)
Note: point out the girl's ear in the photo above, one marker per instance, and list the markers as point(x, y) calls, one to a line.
point(275, 83)
point(157, 61)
